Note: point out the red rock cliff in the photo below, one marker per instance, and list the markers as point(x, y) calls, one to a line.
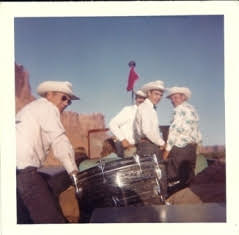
point(23, 94)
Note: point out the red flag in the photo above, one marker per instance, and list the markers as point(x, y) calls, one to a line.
point(133, 76)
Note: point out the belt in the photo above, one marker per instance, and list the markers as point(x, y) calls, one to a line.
point(193, 144)
point(187, 145)
point(142, 140)
point(26, 170)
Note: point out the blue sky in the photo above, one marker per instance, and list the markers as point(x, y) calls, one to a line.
point(93, 54)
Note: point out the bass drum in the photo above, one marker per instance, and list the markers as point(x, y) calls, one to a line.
point(132, 181)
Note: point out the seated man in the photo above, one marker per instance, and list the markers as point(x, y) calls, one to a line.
point(122, 126)
point(183, 137)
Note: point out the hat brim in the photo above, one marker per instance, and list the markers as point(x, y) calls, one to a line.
point(56, 86)
point(73, 97)
point(140, 94)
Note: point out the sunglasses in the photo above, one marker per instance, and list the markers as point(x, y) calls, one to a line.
point(64, 98)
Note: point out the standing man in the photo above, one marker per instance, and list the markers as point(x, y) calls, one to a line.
point(183, 137)
point(39, 128)
point(122, 126)
point(146, 123)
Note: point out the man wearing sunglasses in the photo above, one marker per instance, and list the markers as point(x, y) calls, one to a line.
point(39, 128)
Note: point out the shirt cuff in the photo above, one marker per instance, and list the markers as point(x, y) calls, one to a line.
point(161, 142)
point(120, 138)
point(168, 147)
point(70, 166)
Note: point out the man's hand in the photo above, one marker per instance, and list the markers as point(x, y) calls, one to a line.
point(73, 176)
point(125, 143)
point(162, 147)
point(74, 172)
point(165, 155)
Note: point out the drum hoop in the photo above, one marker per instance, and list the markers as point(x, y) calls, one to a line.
point(100, 173)
point(84, 175)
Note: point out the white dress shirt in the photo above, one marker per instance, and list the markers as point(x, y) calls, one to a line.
point(122, 124)
point(146, 123)
point(38, 127)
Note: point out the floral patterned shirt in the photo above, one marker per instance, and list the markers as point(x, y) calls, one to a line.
point(184, 127)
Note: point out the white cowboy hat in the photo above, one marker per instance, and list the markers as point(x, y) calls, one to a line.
point(156, 85)
point(181, 90)
point(140, 93)
point(65, 87)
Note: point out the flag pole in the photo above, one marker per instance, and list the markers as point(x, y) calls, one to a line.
point(132, 97)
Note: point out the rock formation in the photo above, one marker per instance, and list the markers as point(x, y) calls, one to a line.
point(213, 152)
point(23, 94)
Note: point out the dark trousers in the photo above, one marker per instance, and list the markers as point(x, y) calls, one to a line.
point(181, 164)
point(119, 149)
point(147, 148)
point(35, 197)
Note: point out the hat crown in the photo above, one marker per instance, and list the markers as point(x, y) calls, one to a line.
point(68, 84)
point(140, 93)
point(155, 85)
point(182, 90)
point(58, 86)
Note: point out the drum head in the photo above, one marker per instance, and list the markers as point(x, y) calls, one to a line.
point(90, 163)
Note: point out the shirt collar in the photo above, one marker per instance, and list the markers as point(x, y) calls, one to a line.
point(50, 103)
point(181, 105)
point(147, 101)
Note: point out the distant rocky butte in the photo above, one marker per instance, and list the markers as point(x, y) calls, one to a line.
point(212, 148)
point(76, 125)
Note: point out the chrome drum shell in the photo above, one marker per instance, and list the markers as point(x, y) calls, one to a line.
point(132, 181)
